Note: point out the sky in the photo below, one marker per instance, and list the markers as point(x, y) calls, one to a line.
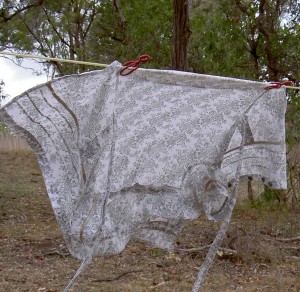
point(17, 79)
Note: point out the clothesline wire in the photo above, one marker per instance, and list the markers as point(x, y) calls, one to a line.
point(77, 62)
point(53, 59)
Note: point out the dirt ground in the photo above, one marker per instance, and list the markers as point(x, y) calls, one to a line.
point(262, 255)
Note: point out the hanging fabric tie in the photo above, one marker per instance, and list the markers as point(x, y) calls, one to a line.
point(131, 66)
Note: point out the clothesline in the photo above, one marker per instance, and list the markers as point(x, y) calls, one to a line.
point(79, 62)
point(53, 59)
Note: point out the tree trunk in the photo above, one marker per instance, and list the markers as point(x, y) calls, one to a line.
point(181, 35)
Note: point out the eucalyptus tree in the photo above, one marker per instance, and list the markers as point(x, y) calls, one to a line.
point(95, 30)
point(56, 28)
point(247, 39)
point(275, 27)
point(133, 29)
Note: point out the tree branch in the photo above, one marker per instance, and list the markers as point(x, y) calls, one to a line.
point(116, 7)
point(242, 7)
point(92, 17)
point(18, 11)
point(55, 29)
point(42, 47)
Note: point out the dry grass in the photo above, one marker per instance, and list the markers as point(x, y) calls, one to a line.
point(10, 142)
point(34, 256)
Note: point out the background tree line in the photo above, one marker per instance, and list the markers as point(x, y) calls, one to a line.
point(246, 39)
point(257, 40)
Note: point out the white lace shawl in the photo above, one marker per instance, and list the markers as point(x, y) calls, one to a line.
point(140, 155)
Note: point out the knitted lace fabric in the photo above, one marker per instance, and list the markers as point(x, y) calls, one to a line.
point(139, 156)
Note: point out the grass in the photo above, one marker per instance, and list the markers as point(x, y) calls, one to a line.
point(10, 143)
point(33, 256)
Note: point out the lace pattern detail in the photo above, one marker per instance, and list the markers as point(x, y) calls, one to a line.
point(139, 156)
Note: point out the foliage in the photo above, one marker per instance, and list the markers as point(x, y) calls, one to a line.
point(217, 47)
point(2, 93)
point(147, 29)
point(90, 30)
point(52, 28)
point(248, 39)
point(3, 129)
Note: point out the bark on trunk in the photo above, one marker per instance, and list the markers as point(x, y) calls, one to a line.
point(181, 35)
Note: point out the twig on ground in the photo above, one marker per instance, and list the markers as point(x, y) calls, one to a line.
point(225, 251)
point(291, 247)
point(191, 250)
point(158, 285)
point(289, 239)
point(57, 252)
point(293, 257)
point(110, 279)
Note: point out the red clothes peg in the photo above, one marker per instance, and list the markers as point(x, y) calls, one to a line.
point(131, 66)
point(278, 84)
